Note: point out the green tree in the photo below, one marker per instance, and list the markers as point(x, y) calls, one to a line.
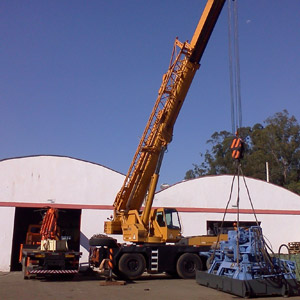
point(278, 143)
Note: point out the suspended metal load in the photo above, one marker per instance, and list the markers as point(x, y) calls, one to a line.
point(242, 266)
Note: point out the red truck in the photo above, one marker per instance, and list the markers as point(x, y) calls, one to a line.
point(44, 252)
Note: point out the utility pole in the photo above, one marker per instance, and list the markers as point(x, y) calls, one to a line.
point(267, 171)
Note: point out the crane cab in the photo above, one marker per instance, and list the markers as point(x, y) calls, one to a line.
point(165, 224)
point(163, 227)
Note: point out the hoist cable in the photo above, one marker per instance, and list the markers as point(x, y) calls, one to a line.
point(234, 67)
point(237, 174)
point(248, 193)
point(223, 220)
point(237, 65)
point(238, 217)
point(230, 69)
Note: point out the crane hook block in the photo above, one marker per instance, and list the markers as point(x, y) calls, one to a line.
point(237, 148)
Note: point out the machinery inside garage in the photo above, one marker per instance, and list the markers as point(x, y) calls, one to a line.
point(214, 227)
point(68, 223)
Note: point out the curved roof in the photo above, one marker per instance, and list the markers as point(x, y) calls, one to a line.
point(65, 180)
point(214, 192)
point(58, 179)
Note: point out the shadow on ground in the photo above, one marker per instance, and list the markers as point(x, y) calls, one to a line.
point(91, 275)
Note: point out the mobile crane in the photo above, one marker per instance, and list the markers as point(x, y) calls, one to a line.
point(44, 252)
point(156, 244)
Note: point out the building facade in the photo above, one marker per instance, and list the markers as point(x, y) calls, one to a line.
point(84, 193)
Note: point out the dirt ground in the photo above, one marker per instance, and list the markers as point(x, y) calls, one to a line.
point(13, 286)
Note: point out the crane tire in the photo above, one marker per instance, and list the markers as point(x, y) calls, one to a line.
point(188, 264)
point(132, 265)
point(103, 241)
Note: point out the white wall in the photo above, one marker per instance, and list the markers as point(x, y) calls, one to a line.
point(61, 179)
point(92, 222)
point(7, 227)
point(67, 181)
point(276, 208)
point(35, 180)
point(214, 191)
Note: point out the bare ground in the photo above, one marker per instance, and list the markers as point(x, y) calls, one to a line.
point(13, 286)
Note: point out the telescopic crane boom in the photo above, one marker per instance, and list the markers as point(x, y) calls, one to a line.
point(142, 177)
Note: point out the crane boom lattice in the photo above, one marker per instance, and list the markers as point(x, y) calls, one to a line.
point(152, 134)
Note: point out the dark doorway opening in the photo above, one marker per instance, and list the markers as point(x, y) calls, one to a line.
point(68, 222)
point(214, 227)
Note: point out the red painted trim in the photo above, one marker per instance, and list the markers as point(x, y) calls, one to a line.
point(179, 209)
point(56, 205)
point(241, 211)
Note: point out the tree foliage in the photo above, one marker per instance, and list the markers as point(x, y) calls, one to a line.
point(276, 143)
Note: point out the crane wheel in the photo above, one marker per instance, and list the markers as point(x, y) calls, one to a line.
point(103, 241)
point(188, 264)
point(132, 265)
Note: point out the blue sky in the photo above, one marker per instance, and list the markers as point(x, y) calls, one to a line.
point(79, 78)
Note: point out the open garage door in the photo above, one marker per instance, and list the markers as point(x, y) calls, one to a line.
point(214, 227)
point(68, 222)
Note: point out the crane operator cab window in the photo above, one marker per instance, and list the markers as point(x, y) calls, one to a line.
point(172, 218)
point(160, 219)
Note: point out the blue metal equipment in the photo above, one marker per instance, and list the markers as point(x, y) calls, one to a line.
point(243, 266)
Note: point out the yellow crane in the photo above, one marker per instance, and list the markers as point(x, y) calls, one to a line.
point(151, 229)
point(141, 179)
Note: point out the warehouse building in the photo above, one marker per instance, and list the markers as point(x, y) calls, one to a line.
point(84, 193)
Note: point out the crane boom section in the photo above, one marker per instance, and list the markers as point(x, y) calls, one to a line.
point(49, 225)
point(159, 129)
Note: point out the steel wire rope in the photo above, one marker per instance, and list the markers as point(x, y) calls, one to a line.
point(237, 65)
point(233, 97)
point(249, 197)
point(234, 67)
point(260, 237)
point(232, 106)
point(222, 223)
point(236, 108)
point(283, 265)
point(238, 215)
point(262, 249)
